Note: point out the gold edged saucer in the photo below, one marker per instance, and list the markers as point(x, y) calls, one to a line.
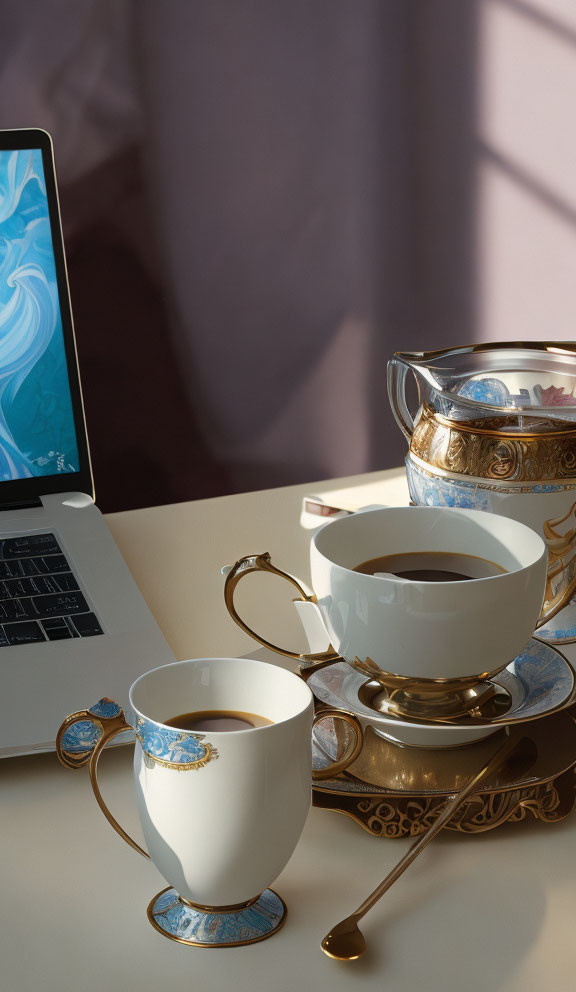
point(395, 791)
point(536, 684)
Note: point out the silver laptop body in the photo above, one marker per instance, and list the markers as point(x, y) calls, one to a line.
point(73, 624)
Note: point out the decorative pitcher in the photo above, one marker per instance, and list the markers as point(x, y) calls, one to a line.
point(495, 429)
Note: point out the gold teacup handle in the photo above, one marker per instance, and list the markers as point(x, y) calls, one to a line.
point(80, 741)
point(262, 563)
point(339, 766)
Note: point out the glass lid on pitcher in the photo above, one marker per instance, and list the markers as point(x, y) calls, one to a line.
point(516, 380)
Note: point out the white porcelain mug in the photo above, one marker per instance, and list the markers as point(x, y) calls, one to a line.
point(414, 634)
point(221, 811)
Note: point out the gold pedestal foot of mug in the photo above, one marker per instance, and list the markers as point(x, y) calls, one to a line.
point(213, 926)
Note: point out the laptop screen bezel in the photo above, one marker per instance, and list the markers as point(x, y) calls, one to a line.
point(23, 490)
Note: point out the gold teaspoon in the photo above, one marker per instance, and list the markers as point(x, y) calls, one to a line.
point(345, 942)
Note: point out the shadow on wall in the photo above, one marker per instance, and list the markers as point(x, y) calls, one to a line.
point(298, 251)
point(526, 169)
point(403, 181)
point(145, 446)
point(425, 292)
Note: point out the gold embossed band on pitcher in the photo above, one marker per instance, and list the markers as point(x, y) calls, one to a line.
point(485, 450)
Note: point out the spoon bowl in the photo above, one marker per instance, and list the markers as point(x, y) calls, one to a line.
point(345, 942)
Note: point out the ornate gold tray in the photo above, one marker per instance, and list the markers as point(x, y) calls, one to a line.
point(394, 791)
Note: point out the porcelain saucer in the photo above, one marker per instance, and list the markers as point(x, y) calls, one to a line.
point(539, 682)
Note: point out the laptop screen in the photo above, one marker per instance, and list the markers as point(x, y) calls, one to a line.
point(40, 405)
point(37, 433)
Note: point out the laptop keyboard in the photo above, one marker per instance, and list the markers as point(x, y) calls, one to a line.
point(40, 598)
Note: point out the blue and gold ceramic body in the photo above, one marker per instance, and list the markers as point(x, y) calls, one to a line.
point(495, 430)
point(548, 507)
point(211, 927)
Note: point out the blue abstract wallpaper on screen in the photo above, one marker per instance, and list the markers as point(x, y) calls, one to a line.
point(37, 435)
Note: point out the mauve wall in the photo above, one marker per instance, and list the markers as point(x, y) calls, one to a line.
point(264, 198)
point(526, 172)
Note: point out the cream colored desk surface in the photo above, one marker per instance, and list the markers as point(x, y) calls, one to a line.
point(494, 911)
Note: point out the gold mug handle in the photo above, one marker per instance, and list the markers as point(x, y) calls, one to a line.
point(80, 741)
point(318, 774)
point(263, 563)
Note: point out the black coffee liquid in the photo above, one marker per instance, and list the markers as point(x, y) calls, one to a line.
point(219, 721)
point(431, 566)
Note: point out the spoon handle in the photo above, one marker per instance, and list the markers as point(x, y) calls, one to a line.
point(497, 759)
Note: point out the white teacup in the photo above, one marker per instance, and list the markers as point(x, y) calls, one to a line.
point(221, 812)
point(415, 634)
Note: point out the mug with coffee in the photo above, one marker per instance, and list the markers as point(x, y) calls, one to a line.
point(425, 598)
point(222, 769)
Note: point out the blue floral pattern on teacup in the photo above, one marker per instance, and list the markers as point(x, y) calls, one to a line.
point(106, 708)
point(84, 735)
point(171, 747)
point(162, 745)
point(80, 737)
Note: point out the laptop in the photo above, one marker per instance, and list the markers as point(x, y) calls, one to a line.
point(73, 624)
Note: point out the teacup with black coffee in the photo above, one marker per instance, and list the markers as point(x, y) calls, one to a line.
point(419, 592)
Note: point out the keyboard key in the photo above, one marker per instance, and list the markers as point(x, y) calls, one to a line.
point(53, 622)
point(11, 569)
point(27, 566)
point(86, 624)
point(65, 582)
point(56, 629)
point(57, 605)
point(59, 634)
point(49, 565)
point(44, 583)
point(30, 544)
point(13, 609)
point(13, 588)
point(24, 633)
